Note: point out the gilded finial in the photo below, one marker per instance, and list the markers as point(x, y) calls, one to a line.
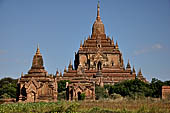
point(112, 41)
point(117, 47)
point(38, 50)
point(98, 11)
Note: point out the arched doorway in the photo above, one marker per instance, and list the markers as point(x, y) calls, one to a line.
point(99, 65)
point(33, 96)
point(79, 95)
point(23, 93)
point(71, 94)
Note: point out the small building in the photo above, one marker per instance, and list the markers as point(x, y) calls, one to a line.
point(165, 92)
point(37, 85)
point(74, 90)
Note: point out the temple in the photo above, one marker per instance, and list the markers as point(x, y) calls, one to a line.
point(98, 61)
point(37, 85)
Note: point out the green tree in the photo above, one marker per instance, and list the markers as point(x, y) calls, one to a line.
point(8, 88)
point(100, 92)
point(62, 90)
point(62, 85)
point(156, 87)
point(133, 88)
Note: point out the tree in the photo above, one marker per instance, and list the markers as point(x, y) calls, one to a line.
point(62, 89)
point(133, 88)
point(156, 87)
point(62, 85)
point(8, 88)
point(100, 92)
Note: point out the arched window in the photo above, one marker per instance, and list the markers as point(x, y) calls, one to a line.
point(112, 63)
point(88, 63)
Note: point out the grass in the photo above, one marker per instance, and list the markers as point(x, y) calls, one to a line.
point(102, 106)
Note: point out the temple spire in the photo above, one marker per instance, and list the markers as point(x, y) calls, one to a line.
point(117, 47)
point(98, 26)
point(38, 50)
point(128, 65)
point(70, 66)
point(37, 63)
point(65, 69)
point(140, 72)
point(112, 41)
point(98, 11)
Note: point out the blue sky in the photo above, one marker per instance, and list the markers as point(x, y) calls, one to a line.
point(142, 28)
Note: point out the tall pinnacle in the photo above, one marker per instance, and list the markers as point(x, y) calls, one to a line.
point(98, 26)
point(37, 63)
point(98, 11)
point(38, 50)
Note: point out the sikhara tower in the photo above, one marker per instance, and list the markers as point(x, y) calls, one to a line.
point(99, 56)
point(97, 62)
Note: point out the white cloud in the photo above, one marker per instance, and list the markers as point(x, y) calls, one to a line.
point(148, 49)
point(157, 46)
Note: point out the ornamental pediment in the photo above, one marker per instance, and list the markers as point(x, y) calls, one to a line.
point(32, 81)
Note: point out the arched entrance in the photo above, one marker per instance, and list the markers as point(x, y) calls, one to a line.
point(79, 95)
point(71, 94)
point(99, 65)
point(23, 93)
point(34, 96)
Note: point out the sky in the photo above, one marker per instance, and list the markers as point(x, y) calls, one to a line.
point(141, 27)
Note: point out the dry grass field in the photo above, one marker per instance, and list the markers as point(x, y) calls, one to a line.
point(102, 106)
point(145, 105)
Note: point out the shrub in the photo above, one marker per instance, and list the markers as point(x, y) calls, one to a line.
point(115, 96)
point(82, 96)
point(62, 95)
point(5, 96)
point(62, 85)
point(100, 93)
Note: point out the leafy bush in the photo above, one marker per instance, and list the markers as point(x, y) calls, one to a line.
point(62, 95)
point(100, 93)
point(132, 88)
point(115, 96)
point(62, 85)
point(82, 96)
